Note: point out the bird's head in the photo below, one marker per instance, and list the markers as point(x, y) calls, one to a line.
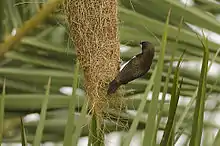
point(146, 46)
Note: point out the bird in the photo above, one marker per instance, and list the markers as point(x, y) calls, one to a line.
point(136, 67)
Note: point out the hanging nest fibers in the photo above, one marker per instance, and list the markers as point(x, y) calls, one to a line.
point(93, 27)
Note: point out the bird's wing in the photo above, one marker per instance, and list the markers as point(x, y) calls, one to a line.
point(137, 66)
point(130, 71)
point(124, 64)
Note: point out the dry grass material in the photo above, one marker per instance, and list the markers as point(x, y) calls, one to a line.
point(94, 31)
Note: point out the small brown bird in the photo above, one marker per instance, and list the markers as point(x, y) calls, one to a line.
point(134, 68)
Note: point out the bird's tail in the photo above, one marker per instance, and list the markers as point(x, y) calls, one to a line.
point(113, 86)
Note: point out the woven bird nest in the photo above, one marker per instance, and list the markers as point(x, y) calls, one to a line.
point(94, 31)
